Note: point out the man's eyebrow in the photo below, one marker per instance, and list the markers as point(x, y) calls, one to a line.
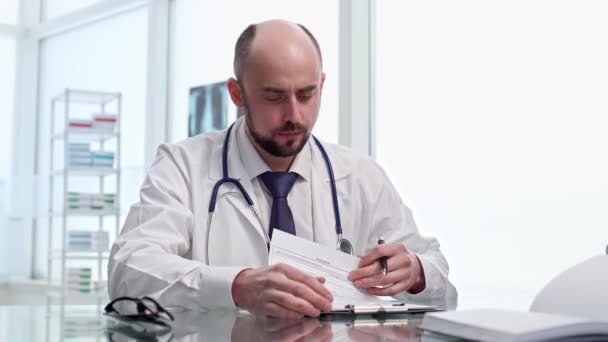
point(268, 89)
point(275, 90)
point(307, 88)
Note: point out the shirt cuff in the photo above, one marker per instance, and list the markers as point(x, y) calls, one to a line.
point(217, 287)
point(433, 281)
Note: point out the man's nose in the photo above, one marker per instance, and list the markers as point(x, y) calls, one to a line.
point(291, 111)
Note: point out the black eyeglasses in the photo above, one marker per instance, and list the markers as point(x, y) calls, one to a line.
point(144, 308)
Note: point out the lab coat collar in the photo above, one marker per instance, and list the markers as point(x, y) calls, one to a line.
point(252, 162)
point(238, 170)
point(255, 165)
point(235, 166)
point(323, 216)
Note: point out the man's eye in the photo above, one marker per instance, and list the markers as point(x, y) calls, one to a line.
point(305, 96)
point(273, 98)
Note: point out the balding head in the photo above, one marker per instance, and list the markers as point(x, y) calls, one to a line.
point(279, 80)
point(273, 37)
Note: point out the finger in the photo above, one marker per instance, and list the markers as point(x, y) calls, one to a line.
point(382, 280)
point(394, 263)
point(312, 282)
point(293, 302)
point(385, 250)
point(364, 272)
point(390, 290)
point(276, 310)
point(299, 276)
point(306, 293)
point(282, 282)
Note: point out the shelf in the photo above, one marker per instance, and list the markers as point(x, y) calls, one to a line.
point(88, 212)
point(76, 295)
point(85, 134)
point(79, 255)
point(86, 171)
point(87, 97)
point(75, 148)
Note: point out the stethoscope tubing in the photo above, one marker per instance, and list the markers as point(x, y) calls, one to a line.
point(226, 179)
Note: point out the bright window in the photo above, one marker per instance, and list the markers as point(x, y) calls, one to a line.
point(7, 91)
point(491, 121)
point(203, 48)
point(55, 8)
point(8, 11)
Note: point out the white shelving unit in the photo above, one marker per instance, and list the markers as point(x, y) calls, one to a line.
point(104, 140)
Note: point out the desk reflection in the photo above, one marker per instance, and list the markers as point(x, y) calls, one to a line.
point(234, 326)
point(238, 327)
point(398, 330)
point(253, 328)
point(76, 323)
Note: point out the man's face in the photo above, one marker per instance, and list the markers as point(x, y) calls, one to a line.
point(282, 103)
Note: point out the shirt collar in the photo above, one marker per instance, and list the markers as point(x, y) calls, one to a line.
point(254, 165)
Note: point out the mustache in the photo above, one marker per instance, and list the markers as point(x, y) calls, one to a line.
point(290, 127)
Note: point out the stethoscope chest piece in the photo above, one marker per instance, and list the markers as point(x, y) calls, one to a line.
point(344, 245)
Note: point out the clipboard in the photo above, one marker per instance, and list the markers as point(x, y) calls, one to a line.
point(383, 309)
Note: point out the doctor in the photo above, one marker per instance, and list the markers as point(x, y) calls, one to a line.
point(172, 249)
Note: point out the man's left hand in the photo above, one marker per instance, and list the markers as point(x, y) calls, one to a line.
point(404, 271)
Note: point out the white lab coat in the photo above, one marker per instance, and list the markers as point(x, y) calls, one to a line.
point(161, 249)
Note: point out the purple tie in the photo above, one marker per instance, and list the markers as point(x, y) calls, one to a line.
point(279, 184)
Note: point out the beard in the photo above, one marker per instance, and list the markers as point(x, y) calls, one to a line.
point(266, 142)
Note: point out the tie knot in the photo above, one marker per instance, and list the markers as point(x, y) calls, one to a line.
point(279, 183)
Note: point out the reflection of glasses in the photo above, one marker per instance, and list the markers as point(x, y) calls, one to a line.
point(144, 308)
point(122, 329)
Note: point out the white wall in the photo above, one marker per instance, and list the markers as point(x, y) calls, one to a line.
point(491, 121)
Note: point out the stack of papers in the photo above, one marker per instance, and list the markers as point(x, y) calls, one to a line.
point(503, 325)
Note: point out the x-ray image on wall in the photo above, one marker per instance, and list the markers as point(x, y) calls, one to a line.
point(208, 108)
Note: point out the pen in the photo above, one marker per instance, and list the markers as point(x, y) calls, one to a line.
point(383, 260)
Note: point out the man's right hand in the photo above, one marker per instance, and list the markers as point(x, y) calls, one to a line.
point(281, 291)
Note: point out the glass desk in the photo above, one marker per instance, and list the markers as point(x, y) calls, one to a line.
point(75, 323)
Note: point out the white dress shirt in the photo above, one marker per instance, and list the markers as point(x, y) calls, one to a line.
point(300, 196)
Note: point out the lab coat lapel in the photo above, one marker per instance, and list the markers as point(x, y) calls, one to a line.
point(322, 206)
point(234, 196)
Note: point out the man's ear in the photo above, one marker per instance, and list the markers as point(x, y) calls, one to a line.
point(322, 81)
point(236, 94)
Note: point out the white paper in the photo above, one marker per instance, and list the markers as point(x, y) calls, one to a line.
point(578, 291)
point(318, 260)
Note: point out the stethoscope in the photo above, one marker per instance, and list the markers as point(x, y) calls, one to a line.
point(342, 244)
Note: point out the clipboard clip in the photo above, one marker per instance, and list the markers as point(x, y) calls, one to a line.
point(375, 308)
